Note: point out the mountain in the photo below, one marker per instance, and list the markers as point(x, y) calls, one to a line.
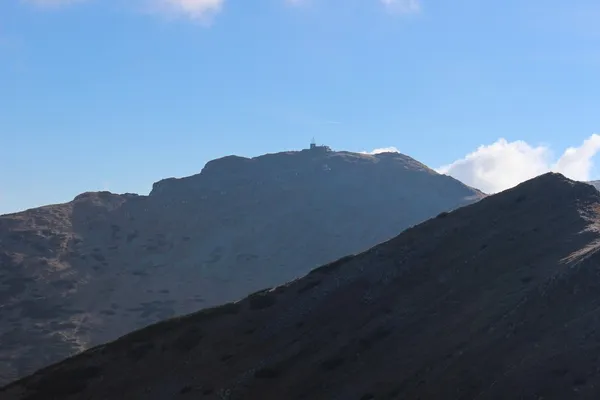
point(495, 300)
point(596, 184)
point(80, 274)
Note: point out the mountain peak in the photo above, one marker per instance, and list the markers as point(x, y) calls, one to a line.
point(553, 187)
point(287, 165)
point(116, 263)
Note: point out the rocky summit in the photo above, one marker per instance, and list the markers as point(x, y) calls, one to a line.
point(83, 273)
point(495, 300)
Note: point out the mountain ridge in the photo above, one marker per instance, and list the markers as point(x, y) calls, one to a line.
point(81, 273)
point(493, 300)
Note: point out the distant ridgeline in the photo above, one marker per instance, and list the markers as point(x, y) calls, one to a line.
point(114, 263)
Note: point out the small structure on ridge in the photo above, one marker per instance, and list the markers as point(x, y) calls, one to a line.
point(314, 146)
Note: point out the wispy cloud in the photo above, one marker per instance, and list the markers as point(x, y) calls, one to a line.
point(203, 9)
point(402, 6)
point(200, 10)
point(502, 165)
point(194, 9)
point(380, 150)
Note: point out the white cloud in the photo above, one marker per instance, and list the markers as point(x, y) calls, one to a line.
point(504, 164)
point(204, 9)
point(194, 9)
point(577, 162)
point(390, 149)
point(402, 6)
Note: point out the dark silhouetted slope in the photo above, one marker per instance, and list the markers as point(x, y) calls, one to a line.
point(495, 300)
point(79, 274)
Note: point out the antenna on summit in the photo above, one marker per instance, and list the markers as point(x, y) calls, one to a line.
point(313, 144)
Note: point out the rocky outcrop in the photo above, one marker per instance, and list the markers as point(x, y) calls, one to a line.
point(82, 273)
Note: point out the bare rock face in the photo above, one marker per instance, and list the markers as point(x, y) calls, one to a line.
point(83, 273)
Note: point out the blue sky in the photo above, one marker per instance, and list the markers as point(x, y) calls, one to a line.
point(117, 94)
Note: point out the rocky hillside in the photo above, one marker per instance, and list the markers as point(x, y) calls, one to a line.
point(79, 274)
point(496, 300)
point(596, 184)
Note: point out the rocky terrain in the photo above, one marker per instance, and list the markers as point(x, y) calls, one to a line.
point(82, 273)
point(495, 300)
point(596, 184)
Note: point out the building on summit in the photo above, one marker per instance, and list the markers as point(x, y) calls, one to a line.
point(314, 146)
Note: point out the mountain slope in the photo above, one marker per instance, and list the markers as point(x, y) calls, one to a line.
point(495, 300)
point(595, 184)
point(82, 273)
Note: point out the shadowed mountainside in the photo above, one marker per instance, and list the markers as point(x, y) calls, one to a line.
point(79, 274)
point(596, 184)
point(491, 301)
